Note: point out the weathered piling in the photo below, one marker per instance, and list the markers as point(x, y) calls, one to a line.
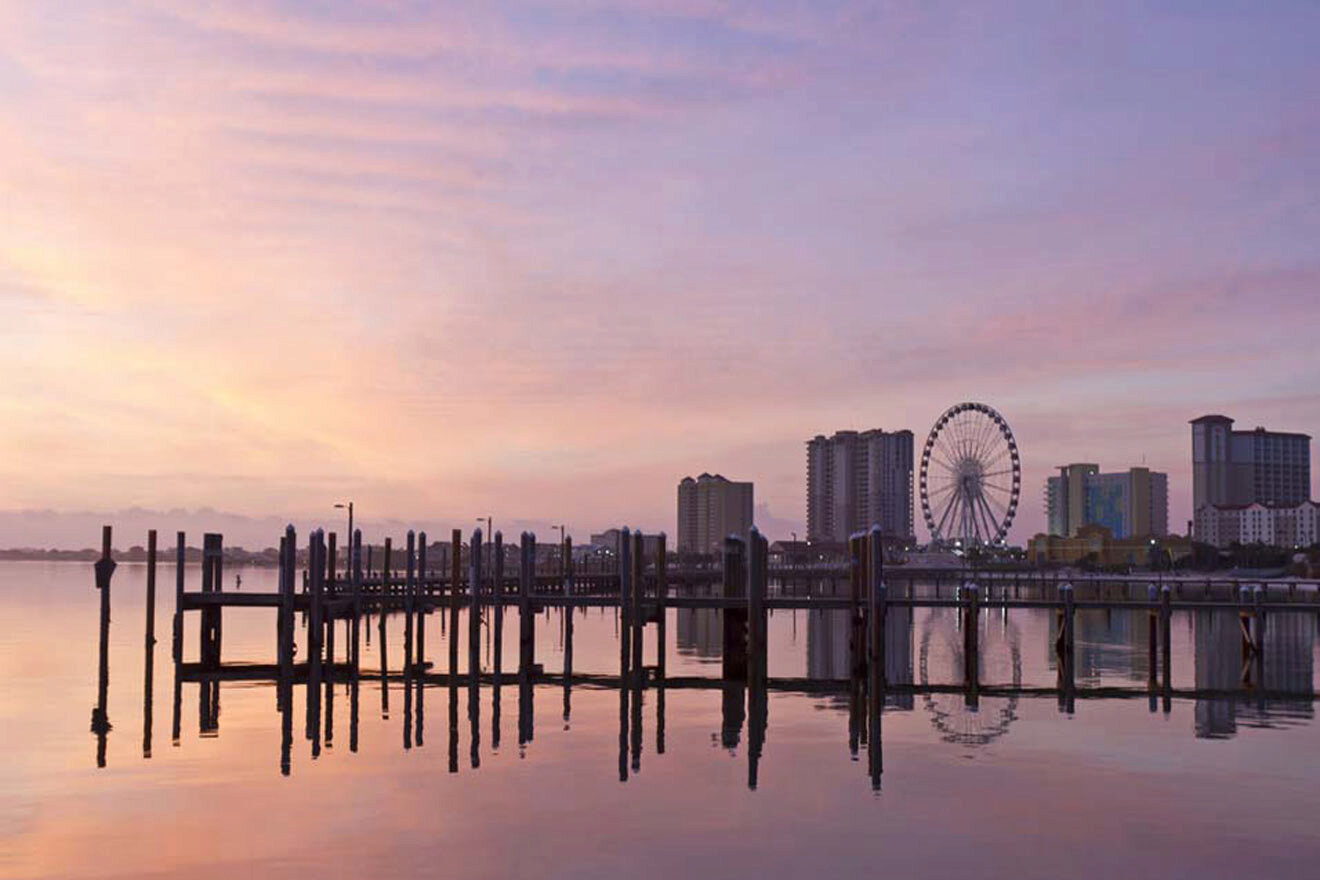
point(757, 666)
point(877, 608)
point(104, 569)
point(355, 641)
point(419, 653)
point(625, 601)
point(497, 624)
point(856, 621)
point(637, 607)
point(735, 617)
point(409, 610)
point(179, 555)
point(475, 580)
point(315, 624)
point(526, 622)
point(568, 626)
point(212, 582)
point(661, 613)
point(1065, 646)
point(1166, 641)
point(149, 645)
point(972, 642)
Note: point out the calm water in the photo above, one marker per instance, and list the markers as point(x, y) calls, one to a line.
point(1014, 788)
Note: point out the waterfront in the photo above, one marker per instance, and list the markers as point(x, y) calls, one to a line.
point(1017, 788)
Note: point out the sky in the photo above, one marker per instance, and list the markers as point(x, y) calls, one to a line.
point(542, 260)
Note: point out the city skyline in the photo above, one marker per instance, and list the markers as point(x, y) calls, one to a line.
point(526, 262)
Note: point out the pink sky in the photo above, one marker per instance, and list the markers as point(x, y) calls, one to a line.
point(542, 260)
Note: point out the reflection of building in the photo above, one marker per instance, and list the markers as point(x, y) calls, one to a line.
point(1133, 503)
point(828, 653)
point(700, 632)
point(1223, 525)
point(859, 479)
point(1286, 669)
point(710, 508)
point(1095, 544)
point(1236, 468)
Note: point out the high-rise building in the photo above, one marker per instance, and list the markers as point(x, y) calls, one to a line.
point(1132, 503)
point(859, 479)
point(710, 508)
point(1248, 467)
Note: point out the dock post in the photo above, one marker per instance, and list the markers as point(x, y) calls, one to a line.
point(735, 614)
point(568, 625)
point(212, 582)
point(382, 592)
point(757, 585)
point(661, 615)
point(1258, 633)
point(526, 622)
point(315, 635)
point(104, 569)
point(877, 676)
point(972, 643)
point(1166, 627)
point(1067, 671)
point(637, 672)
point(331, 561)
point(497, 624)
point(288, 567)
point(149, 646)
point(625, 597)
point(638, 608)
point(1152, 641)
point(356, 640)
point(856, 622)
point(180, 553)
point(474, 602)
point(422, 600)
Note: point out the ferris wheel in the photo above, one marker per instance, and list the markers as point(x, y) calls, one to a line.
point(971, 476)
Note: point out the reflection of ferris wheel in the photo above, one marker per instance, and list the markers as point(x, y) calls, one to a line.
point(1000, 661)
point(971, 476)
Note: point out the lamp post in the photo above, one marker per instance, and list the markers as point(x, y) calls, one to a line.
point(348, 542)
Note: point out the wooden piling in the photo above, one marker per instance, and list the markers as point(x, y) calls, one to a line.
point(625, 601)
point(475, 580)
point(637, 605)
point(526, 622)
point(421, 596)
point(104, 569)
point(1166, 627)
point(149, 646)
point(735, 617)
point(179, 558)
point(568, 626)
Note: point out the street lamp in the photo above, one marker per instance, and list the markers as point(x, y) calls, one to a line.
point(563, 563)
point(348, 544)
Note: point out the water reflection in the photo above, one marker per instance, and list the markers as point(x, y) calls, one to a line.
point(925, 669)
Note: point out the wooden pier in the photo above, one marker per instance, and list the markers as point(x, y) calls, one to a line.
point(314, 588)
